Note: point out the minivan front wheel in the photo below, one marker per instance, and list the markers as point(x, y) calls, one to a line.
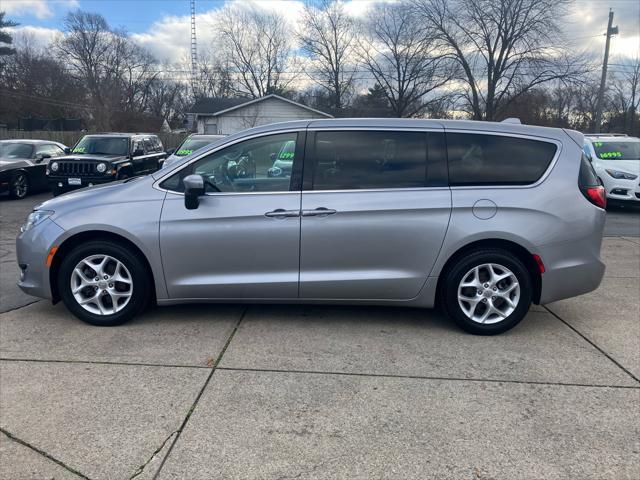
point(102, 284)
point(488, 292)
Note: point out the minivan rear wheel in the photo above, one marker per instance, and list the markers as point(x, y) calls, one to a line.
point(103, 284)
point(488, 291)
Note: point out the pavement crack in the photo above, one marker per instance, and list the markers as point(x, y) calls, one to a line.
point(142, 467)
point(43, 453)
point(204, 386)
point(593, 344)
point(20, 306)
point(425, 377)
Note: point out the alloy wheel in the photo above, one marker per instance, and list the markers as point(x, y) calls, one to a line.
point(488, 293)
point(101, 284)
point(20, 186)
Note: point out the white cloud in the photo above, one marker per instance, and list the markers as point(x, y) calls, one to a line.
point(36, 37)
point(39, 8)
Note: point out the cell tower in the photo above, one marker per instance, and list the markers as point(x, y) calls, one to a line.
point(194, 47)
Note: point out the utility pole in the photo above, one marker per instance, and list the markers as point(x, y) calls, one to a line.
point(603, 81)
point(194, 48)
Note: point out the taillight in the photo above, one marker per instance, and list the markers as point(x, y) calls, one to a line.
point(597, 196)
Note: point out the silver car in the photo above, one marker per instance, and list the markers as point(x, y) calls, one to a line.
point(480, 218)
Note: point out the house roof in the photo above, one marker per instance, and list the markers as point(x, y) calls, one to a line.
point(219, 106)
point(213, 105)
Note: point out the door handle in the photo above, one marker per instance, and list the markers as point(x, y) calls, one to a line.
point(318, 212)
point(282, 213)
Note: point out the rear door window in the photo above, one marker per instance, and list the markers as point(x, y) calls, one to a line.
point(352, 160)
point(479, 159)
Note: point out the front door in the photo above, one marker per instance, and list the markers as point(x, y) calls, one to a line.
point(375, 210)
point(242, 242)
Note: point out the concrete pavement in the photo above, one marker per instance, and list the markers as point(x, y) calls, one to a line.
point(324, 392)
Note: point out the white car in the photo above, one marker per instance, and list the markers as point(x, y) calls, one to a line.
point(189, 145)
point(616, 160)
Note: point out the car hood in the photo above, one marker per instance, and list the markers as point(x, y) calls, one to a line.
point(87, 156)
point(111, 193)
point(6, 164)
point(626, 166)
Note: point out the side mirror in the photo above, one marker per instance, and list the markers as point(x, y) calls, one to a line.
point(193, 190)
point(272, 156)
point(138, 152)
point(67, 150)
point(170, 151)
point(41, 156)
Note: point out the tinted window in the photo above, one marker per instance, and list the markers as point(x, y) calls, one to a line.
point(587, 176)
point(242, 167)
point(476, 159)
point(381, 159)
point(15, 150)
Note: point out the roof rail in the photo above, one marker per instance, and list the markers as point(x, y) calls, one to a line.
point(512, 120)
point(606, 135)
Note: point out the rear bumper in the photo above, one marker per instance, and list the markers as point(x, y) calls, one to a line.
point(572, 269)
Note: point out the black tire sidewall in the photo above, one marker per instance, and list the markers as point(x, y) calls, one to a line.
point(459, 269)
point(140, 278)
point(13, 180)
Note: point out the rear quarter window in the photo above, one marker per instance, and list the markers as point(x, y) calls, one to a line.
point(480, 159)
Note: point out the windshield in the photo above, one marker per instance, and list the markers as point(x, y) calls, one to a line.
point(103, 145)
point(287, 151)
point(191, 144)
point(15, 150)
point(621, 150)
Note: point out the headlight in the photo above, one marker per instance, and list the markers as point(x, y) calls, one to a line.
point(102, 167)
point(35, 218)
point(54, 166)
point(621, 175)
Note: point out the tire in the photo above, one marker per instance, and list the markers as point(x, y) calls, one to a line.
point(128, 287)
point(507, 298)
point(19, 186)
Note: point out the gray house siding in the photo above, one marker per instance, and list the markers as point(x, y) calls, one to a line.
point(266, 111)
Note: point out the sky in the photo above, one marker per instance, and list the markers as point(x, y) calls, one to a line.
point(163, 25)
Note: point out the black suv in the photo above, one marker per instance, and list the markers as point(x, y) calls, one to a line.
point(103, 158)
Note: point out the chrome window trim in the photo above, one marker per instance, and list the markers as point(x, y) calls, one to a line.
point(538, 138)
point(547, 172)
point(157, 183)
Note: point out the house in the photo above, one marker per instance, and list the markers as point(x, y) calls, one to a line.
point(224, 116)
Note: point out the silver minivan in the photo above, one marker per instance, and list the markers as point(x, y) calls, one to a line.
point(480, 218)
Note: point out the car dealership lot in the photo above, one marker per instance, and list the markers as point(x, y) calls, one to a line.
point(322, 391)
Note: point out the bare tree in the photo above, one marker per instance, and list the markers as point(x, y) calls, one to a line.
point(504, 48)
point(625, 96)
point(116, 72)
point(213, 76)
point(328, 37)
point(257, 45)
point(402, 59)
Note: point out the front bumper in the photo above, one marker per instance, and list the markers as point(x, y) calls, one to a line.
point(61, 184)
point(32, 248)
point(622, 190)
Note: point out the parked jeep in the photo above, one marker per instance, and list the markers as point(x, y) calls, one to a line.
point(103, 158)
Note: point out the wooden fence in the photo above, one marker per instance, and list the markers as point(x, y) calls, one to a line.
point(169, 140)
